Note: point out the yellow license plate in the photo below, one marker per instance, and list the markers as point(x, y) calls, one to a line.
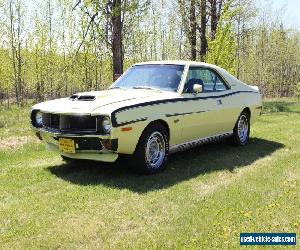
point(66, 145)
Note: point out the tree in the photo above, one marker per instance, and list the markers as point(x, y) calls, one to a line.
point(297, 90)
point(203, 46)
point(15, 42)
point(61, 48)
point(109, 18)
point(215, 14)
point(188, 15)
point(221, 50)
point(114, 9)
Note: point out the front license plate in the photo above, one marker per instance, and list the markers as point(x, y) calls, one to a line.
point(66, 145)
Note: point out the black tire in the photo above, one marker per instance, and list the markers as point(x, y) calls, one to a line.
point(140, 159)
point(238, 138)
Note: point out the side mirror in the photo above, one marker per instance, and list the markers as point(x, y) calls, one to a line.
point(197, 88)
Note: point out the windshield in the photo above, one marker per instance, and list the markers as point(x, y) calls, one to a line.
point(161, 77)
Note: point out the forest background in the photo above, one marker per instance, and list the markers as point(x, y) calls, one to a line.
point(53, 48)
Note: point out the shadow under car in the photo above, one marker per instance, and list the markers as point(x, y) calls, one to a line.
point(181, 166)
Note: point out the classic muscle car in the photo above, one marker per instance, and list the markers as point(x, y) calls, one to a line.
point(153, 109)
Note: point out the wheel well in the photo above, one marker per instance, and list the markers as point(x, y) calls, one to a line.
point(162, 122)
point(248, 111)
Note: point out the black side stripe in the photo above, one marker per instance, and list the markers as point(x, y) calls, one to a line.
point(165, 101)
point(168, 115)
point(187, 113)
point(198, 142)
point(133, 121)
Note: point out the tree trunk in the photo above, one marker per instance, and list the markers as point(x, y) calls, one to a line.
point(13, 52)
point(19, 70)
point(96, 75)
point(203, 46)
point(8, 104)
point(180, 42)
point(213, 19)
point(18, 56)
point(193, 27)
point(50, 63)
point(117, 39)
point(239, 34)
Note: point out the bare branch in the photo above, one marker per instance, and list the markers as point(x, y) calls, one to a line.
point(86, 32)
point(78, 2)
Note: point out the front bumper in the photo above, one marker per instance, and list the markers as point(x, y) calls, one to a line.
point(88, 147)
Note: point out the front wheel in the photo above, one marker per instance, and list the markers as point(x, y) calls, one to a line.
point(152, 150)
point(241, 130)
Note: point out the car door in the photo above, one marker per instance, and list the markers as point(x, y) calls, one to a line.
point(227, 105)
point(202, 111)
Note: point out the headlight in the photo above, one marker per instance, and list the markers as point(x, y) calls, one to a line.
point(106, 125)
point(38, 119)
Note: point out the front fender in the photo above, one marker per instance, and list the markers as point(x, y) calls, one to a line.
point(129, 122)
point(128, 135)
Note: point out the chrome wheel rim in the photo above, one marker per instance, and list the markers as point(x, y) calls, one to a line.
point(155, 150)
point(243, 128)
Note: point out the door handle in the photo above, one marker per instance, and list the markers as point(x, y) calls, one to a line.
point(219, 102)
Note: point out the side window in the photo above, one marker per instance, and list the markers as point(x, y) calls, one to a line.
point(209, 80)
point(219, 84)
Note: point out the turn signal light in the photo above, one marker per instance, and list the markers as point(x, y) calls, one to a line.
point(126, 129)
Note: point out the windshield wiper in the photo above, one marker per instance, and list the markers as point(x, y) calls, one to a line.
point(145, 87)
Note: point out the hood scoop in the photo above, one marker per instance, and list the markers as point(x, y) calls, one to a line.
point(82, 97)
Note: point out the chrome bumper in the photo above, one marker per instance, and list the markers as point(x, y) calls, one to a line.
point(97, 152)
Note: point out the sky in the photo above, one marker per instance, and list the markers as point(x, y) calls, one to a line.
point(291, 8)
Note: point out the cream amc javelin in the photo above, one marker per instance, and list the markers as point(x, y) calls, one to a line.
point(153, 109)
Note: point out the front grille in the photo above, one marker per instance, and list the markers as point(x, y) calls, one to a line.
point(72, 123)
point(51, 120)
point(82, 122)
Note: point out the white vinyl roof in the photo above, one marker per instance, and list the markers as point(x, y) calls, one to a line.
point(179, 62)
point(231, 80)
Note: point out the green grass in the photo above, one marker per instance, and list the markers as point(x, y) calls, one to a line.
point(205, 198)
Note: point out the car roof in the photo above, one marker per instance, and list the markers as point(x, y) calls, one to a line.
point(179, 62)
point(230, 79)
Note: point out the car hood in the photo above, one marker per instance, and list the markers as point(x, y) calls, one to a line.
point(87, 102)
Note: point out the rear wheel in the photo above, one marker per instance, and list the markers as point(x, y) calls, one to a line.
point(152, 150)
point(241, 130)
